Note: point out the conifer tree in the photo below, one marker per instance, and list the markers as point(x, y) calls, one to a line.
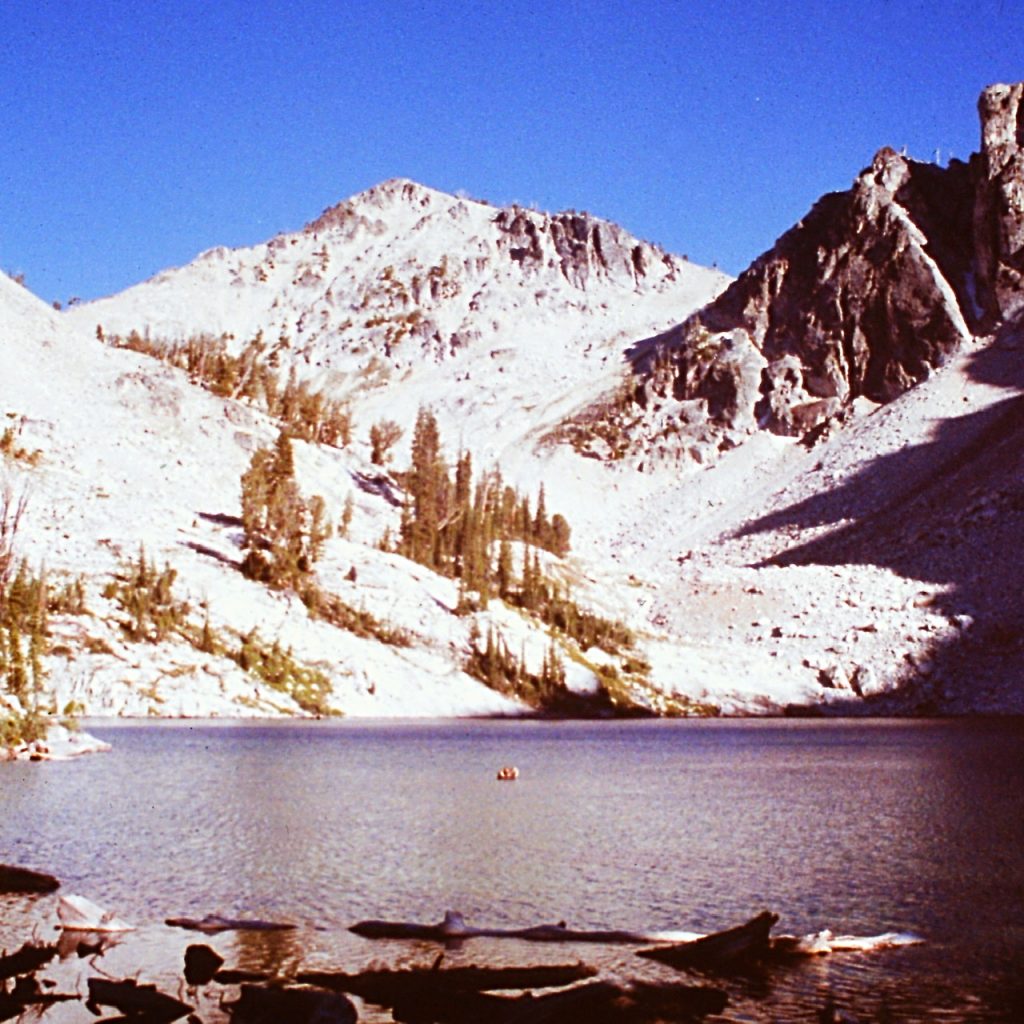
point(283, 535)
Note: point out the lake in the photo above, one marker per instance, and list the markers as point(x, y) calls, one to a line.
point(860, 827)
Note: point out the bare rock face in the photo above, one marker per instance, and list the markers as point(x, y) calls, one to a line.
point(871, 291)
point(577, 244)
point(999, 202)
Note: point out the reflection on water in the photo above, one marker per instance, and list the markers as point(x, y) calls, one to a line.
point(859, 827)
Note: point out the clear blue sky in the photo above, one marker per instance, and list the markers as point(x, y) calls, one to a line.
point(137, 134)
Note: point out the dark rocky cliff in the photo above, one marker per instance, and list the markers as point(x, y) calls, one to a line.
point(870, 292)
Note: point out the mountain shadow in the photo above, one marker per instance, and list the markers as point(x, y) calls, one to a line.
point(948, 512)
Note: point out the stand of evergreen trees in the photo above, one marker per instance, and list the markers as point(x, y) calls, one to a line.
point(24, 632)
point(283, 537)
point(283, 533)
point(465, 529)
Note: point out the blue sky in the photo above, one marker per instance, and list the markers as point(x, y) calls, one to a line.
point(136, 135)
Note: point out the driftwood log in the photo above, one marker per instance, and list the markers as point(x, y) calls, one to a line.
point(746, 943)
point(26, 960)
point(213, 923)
point(454, 928)
point(135, 1000)
point(26, 993)
point(385, 987)
point(599, 1002)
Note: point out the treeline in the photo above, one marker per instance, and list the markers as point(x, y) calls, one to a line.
point(251, 375)
point(465, 529)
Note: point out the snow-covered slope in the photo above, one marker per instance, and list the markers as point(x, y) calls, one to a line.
point(502, 320)
point(120, 452)
point(784, 573)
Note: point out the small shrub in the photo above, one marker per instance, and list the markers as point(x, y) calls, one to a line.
point(146, 595)
point(278, 668)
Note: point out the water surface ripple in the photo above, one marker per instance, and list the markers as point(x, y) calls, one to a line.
point(860, 827)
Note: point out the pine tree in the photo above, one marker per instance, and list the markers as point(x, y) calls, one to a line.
point(505, 573)
point(427, 486)
point(283, 535)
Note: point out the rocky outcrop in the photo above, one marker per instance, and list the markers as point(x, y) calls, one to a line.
point(999, 203)
point(870, 292)
point(578, 245)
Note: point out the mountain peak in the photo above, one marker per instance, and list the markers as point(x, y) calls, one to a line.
point(385, 195)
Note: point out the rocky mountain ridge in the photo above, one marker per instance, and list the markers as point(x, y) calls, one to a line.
point(871, 292)
point(403, 296)
point(849, 572)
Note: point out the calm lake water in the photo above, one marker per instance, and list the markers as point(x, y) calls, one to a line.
point(861, 827)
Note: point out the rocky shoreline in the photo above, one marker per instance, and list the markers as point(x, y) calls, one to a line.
point(59, 744)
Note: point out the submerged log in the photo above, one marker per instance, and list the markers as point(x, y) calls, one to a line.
point(454, 928)
point(384, 987)
point(260, 1005)
point(135, 1000)
point(214, 923)
point(15, 879)
point(732, 947)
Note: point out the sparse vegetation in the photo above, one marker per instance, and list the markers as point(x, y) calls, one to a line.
point(146, 595)
point(24, 630)
point(602, 430)
point(250, 376)
point(277, 667)
point(10, 448)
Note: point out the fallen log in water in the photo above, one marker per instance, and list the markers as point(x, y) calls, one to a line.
point(454, 928)
point(599, 1002)
point(384, 986)
point(235, 976)
point(214, 923)
point(15, 879)
point(732, 947)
